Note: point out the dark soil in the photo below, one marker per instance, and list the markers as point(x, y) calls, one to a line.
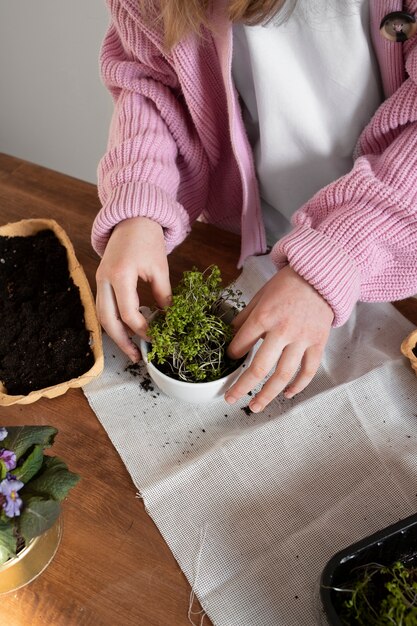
point(135, 369)
point(43, 339)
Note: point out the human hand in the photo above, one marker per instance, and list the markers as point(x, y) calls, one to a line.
point(294, 322)
point(136, 250)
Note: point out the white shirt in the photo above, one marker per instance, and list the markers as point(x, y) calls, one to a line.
point(308, 86)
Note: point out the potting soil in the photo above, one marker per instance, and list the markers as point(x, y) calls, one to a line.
point(43, 338)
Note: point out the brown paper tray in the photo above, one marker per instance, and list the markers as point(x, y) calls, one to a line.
point(407, 346)
point(29, 227)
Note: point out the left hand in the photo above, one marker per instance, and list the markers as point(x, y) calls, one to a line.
point(294, 321)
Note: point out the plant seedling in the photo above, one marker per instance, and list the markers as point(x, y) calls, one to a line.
point(190, 337)
point(382, 596)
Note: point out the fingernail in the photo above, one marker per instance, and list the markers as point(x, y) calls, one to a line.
point(255, 407)
point(230, 399)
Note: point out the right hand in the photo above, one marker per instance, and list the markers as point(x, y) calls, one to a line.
point(135, 250)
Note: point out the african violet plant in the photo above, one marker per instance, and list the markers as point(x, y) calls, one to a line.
point(190, 337)
point(32, 484)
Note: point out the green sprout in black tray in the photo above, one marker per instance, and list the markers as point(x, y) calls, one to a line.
point(381, 596)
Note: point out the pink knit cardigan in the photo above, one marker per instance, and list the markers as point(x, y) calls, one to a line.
point(178, 151)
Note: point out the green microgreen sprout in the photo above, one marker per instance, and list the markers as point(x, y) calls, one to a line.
point(382, 596)
point(191, 335)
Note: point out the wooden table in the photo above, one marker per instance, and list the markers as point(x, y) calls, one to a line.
point(112, 567)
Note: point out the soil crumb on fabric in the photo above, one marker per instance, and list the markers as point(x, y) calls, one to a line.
point(145, 382)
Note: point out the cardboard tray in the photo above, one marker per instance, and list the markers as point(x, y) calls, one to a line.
point(28, 227)
point(408, 345)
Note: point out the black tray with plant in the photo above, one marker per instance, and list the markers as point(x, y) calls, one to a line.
point(374, 581)
point(189, 338)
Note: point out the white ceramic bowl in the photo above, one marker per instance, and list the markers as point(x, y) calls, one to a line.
point(196, 393)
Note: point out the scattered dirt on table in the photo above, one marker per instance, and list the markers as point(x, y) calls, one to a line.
point(136, 369)
point(133, 368)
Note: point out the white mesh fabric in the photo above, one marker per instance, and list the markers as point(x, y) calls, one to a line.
point(262, 501)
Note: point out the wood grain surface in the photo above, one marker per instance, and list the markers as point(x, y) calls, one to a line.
point(112, 567)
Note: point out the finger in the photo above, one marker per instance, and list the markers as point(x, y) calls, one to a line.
point(263, 361)
point(309, 366)
point(243, 315)
point(246, 336)
point(109, 317)
point(161, 289)
point(286, 368)
point(127, 303)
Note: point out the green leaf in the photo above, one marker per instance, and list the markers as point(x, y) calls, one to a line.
point(30, 466)
point(38, 515)
point(21, 438)
point(54, 480)
point(7, 541)
point(3, 470)
point(54, 462)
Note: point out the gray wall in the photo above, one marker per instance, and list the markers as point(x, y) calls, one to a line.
point(54, 110)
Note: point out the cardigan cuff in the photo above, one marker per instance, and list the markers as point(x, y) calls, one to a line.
point(323, 264)
point(141, 200)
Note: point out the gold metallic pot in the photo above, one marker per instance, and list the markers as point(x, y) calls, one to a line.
point(31, 561)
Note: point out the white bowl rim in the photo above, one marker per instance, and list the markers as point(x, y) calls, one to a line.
point(144, 348)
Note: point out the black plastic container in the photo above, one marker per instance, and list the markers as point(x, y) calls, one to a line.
point(397, 542)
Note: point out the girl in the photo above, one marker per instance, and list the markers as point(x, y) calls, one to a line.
point(180, 149)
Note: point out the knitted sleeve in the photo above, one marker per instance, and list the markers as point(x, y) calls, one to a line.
point(356, 239)
point(142, 170)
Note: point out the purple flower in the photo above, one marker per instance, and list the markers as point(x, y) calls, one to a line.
point(13, 504)
point(3, 433)
point(9, 458)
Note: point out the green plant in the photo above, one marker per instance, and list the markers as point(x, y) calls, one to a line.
point(32, 485)
point(382, 596)
point(191, 335)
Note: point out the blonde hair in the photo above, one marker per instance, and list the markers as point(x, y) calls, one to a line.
point(182, 17)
